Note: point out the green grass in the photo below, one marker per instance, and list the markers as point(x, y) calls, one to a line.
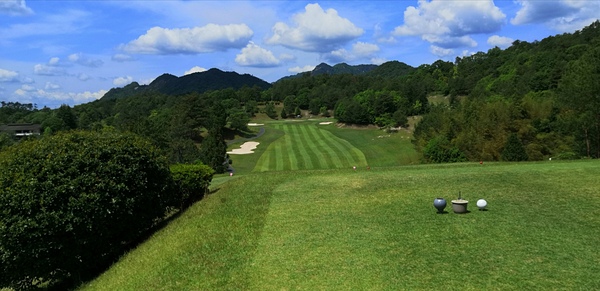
point(378, 230)
point(381, 149)
point(306, 146)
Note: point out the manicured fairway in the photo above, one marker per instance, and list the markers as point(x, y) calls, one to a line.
point(377, 230)
point(306, 146)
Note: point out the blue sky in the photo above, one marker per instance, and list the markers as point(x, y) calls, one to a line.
point(72, 52)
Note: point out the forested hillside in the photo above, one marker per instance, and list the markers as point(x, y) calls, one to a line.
point(545, 93)
point(213, 79)
point(531, 101)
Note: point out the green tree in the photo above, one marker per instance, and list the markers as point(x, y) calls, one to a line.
point(514, 151)
point(213, 151)
point(270, 110)
point(283, 113)
point(238, 120)
point(73, 201)
point(580, 91)
point(65, 113)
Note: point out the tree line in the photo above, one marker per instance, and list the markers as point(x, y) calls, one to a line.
point(544, 93)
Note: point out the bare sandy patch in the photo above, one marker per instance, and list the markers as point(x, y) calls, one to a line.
point(255, 124)
point(245, 149)
point(326, 122)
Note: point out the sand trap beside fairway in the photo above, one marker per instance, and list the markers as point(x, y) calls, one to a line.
point(246, 148)
point(326, 122)
point(255, 124)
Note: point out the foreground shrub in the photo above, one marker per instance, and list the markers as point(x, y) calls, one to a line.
point(192, 181)
point(73, 201)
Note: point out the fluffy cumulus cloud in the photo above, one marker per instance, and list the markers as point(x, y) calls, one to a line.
point(360, 51)
point(8, 76)
point(306, 68)
point(14, 8)
point(195, 69)
point(448, 24)
point(500, 41)
point(562, 15)
point(315, 30)
point(255, 56)
point(440, 52)
point(205, 39)
point(122, 81)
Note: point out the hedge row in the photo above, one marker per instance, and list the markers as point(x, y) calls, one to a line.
point(74, 201)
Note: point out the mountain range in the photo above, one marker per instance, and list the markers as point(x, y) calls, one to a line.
point(215, 79)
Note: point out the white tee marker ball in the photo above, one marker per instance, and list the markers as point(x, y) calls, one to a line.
point(481, 204)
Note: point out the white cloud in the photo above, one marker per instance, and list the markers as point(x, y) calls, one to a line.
point(360, 50)
point(14, 7)
point(562, 15)
point(306, 68)
point(122, 81)
point(195, 69)
point(440, 52)
point(27, 88)
point(51, 86)
point(255, 56)
point(449, 41)
point(57, 62)
point(448, 23)
point(378, 61)
point(122, 58)
point(315, 30)
point(500, 41)
point(363, 49)
point(8, 76)
point(205, 39)
point(86, 61)
point(46, 70)
point(76, 98)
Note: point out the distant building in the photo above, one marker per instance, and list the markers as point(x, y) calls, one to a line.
point(20, 130)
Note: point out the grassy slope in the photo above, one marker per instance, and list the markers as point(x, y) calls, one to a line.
point(340, 229)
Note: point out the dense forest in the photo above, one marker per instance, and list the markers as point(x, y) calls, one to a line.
point(531, 101)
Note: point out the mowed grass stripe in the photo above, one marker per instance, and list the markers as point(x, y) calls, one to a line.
point(301, 145)
point(308, 143)
point(268, 160)
point(289, 152)
point(326, 145)
point(319, 147)
point(347, 152)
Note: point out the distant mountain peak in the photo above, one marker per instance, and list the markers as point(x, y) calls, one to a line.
point(200, 82)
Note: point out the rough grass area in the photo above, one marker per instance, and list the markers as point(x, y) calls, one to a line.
point(378, 230)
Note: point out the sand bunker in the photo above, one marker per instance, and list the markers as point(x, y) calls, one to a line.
point(326, 122)
point(246, 148)
point(255, 124)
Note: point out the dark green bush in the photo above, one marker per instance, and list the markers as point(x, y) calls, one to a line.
point(514, 151)
point(439, 150)
point(192, 181)
point(72, 202)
